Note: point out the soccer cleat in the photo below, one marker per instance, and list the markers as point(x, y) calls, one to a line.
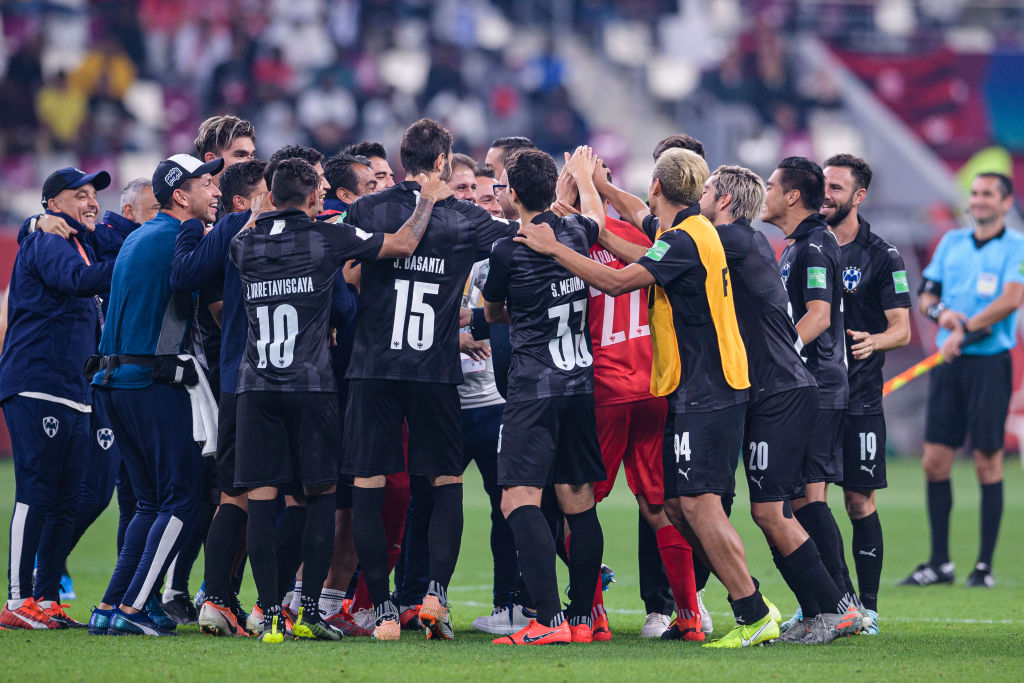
point(155, 609)
point(436, 619)
point(705, 616)
point(930, 575)
point(28, 616)
point(656, 624)
point(797, 618)
point(535, 634)
point(216, 620)
point(99, 621)
point(271, 632)
point(364, 618)
point(313, 629)
point(67, 588)
point(582, 631)
point(773, 611)
point(136, 624)
point(57, 614)
point(200, 597)
point(760, 632)
point(502, 621)
point(828, 627)
point(288, 619)
point(850, 622)
point(343, 622)
point(607, 577)
point(870, 622)
point(602, 631)
point(254, 623)
point(409, 617)
point(981, 577)
point(797, 632)
point(685, 629)
point(241, 616)
point(181, 610)
point(387, 628)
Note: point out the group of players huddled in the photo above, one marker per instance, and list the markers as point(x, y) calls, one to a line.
point(344, 345)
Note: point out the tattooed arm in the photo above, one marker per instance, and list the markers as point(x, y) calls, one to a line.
point(404, 242)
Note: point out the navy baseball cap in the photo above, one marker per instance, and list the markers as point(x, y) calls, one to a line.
point(71, 179)
point(171, 173)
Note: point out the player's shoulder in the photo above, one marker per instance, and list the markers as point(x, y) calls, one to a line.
point(502, 250)
point(1015, 238)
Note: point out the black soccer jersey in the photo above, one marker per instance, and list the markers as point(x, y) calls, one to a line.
point(874, 281)
point(407, 327)
point(551, 350)
point(287, 264)
point(675, 263)
point(810, 271)
point(762, 310)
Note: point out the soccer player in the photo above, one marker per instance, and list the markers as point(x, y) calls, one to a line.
point(501, 149)
point(700, 363)
point(485, 197)
point(876, 313)
point(46, 400)
point(349, 178)
point(405, 365)
point(783, 402)
point(810, 270)
point(974, 281)
point(548, 434)
point(287, 403)
point(463, 180)
point(679, 141)
point(226, 137)
point(142, 384)
point(378, 158)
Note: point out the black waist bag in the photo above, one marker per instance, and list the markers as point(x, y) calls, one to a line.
point(166, 369)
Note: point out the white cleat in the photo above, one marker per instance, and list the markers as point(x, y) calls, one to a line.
point(656, 624)
point(705, 616)
point(503, 621)
point(364, 619)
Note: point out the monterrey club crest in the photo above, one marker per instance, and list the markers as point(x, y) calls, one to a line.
point(51, 425)
point(105, 437)
point(785, 272)
point(851, 278)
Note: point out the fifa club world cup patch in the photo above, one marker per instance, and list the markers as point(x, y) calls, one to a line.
point(851, 278)
point(899, 282)
point(657, 251)
point(816, 278)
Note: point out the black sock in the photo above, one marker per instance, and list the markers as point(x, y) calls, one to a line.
point(586, 545)
point(940, 504)
point(847, 584)
point(654, 588)
point(222, 543)
point(317, 549)
point(288, 546)
point(816, 518)
point(701, 572)
point(445, 533)
point(371, 541)
point(867, 557)
point(991, 515)
point(750, 609)
point(804, 596)
point(535, 547)
point(263, 555)
point(808, 571)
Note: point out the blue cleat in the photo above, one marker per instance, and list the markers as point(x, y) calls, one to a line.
point(869, 629)
point(787, 625)
point(67, 588)
point(99, 621)
point(138, 624)
point(155, 609)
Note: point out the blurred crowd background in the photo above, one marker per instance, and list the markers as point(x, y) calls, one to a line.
point(928, 91)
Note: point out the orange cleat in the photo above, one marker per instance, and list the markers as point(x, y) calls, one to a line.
point(535, 634)
point(29, 616)
point(387, 629)
point(602, 632)
point(410, 618)
point(582, 633)
point(685, 629)
point(436, 619)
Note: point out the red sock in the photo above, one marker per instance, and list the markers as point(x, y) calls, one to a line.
point(598, 609)
point(677, 557)
point(361, 600)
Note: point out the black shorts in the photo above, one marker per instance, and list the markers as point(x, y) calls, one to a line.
point(825, 450)
point(373, 422)
point(549, 441)
point(283, 437)
point(970, 398)
point(864, 452)
point(226, 425)
point(775, 443)
point(701, 450)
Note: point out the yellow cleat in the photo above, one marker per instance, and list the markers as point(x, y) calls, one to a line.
point(758, 633)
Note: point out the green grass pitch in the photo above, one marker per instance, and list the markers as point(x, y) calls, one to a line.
point(934, 633)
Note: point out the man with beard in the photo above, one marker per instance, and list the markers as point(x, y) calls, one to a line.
point(378, 158)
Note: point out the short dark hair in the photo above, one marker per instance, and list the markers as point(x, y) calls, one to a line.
point(422, 143)
point(1004, 181)
point(484, 172)
point(293, 181)
point(532, 174)
point(681, 141)
point(186, 186)
point(239, 180)
point(800, 173)
point(307, 154)
point(366, 149)
point(859, 169)
point(340, 173)
point(218, 132)
point(463, 160)
point(511, 144)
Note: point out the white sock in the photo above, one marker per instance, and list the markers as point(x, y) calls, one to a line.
point(15, 604)
point(330, 601)
point(169, 594)
point(45, 604)
point(296, 597)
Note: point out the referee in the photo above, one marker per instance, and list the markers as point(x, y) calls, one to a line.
point(975, 280)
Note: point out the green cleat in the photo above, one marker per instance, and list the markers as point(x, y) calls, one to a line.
point(773, 611)
point(758, 633)
point(271, 634)
point(313, 630)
